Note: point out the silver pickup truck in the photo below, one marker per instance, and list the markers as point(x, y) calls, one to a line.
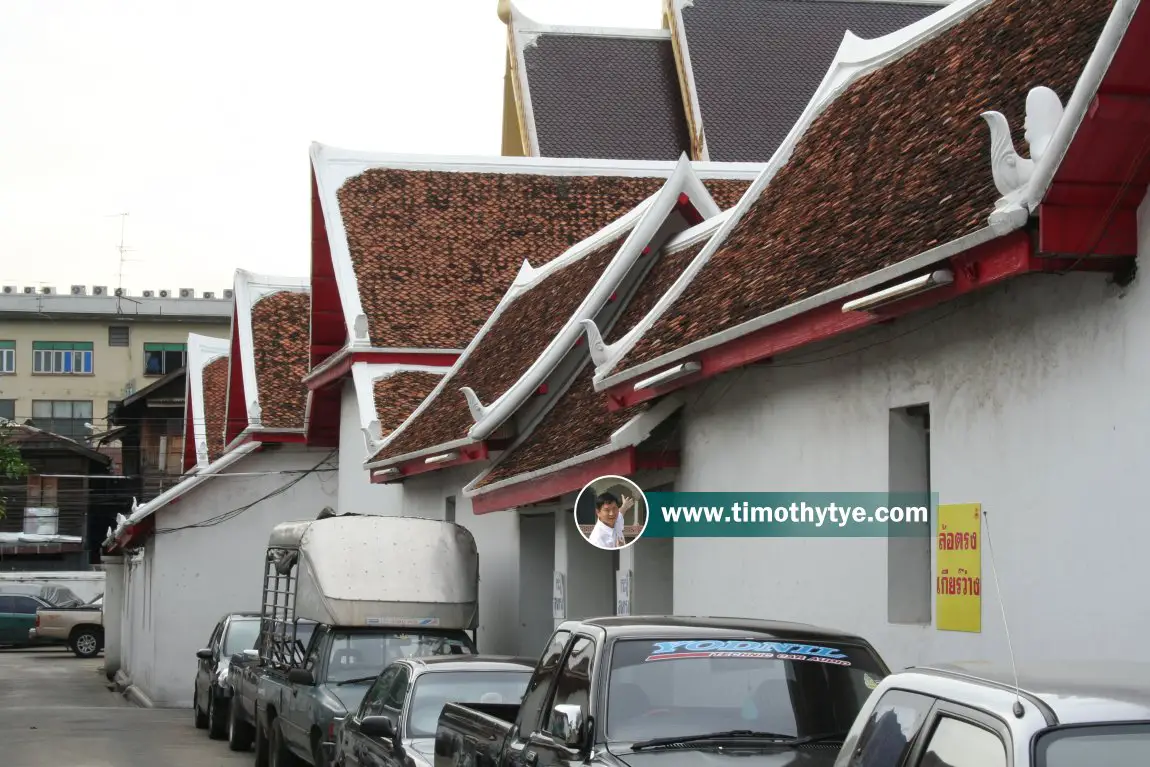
point(378, 589)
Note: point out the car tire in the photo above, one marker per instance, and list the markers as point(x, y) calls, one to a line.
point(86, 643)
point(200, 717)
point(279, 755)
point(217, 716)
point(239, 731)
point(261, 742)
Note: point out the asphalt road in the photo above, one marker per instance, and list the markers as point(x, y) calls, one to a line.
point(57, 711)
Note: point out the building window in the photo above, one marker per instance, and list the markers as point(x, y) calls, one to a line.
point(62, 357)
point(41, 515)
point(63, 417)
point(118, 335)
point(7, 357)
point(8, 409)
point(908, 572)
point(113, 406)
point(161, 359)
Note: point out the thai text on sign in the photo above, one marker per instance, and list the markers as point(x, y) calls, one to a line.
point(958, 575)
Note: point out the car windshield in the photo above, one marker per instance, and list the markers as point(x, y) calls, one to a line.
point(1103, 744)
point(434, 690)
point(242, 635)
point(364, 653)
point(670, 689)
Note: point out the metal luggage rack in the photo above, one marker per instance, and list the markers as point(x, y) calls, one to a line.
point(280, 647)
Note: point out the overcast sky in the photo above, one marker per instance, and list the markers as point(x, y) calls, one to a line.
point(196, 118)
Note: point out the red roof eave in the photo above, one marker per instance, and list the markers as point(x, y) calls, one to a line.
point(342, 366)
point(975, 269)
point(477, 451)
point(620, 463)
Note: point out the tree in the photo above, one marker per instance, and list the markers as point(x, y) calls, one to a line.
point(12, 464)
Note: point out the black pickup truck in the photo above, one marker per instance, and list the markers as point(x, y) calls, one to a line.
point(625, 691)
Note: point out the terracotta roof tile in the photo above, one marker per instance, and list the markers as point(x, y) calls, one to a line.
point(434, 252)
point(726, 192)
point(515, 340)
point(896, 165)
point(215, 375)
point(580, 422)
point(398, 395)
point(606, 97)
point(757, 64)
point(656, 282)
point(280, 336)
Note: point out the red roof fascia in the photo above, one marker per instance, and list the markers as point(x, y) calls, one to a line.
point(479, 451)
point(343, 368)
point(189, 456)
point(328, 328)
point(137, 533)
point(236, 413)
point(620, 463)
point(323, 416)
point(1091, 206)
point(975, 269)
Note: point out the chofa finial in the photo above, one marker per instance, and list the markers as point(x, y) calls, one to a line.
point(1011, 171)
point(504, 11)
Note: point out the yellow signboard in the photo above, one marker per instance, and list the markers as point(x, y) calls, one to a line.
point(958, 574)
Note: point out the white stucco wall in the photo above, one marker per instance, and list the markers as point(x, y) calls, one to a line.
point(1039, 411)
point(497, 540)
point(357, 494)
point(193, 577)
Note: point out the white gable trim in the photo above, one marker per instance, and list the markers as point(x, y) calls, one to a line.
point(652, 213)
point(855, 58)
point(631, 434)
point(201, 351)
point(333, 167)
point(249, 289)
point(364, 375)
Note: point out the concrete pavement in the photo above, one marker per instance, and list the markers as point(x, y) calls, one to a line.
point(56, 711)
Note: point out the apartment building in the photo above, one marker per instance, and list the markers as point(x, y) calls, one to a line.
point(68, 359)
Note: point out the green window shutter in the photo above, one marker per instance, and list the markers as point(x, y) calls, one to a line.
point(7, 344)
point(165, 347)
point(62, 346)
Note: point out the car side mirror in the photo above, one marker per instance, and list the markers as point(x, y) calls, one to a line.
point(567, 724)
point(378, 727)
point(204, 654)
point(301, 676)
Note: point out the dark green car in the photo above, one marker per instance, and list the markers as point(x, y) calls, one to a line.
point(18, 617)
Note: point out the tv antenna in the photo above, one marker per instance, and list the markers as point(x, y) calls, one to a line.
point(123, 251)
point(1017, 710)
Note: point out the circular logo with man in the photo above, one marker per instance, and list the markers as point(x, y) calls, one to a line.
point(611, 512)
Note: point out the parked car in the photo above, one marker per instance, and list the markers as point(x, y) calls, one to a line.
point(396, 722)
point(57, 596)
point(244, 674)
point(622, 690)
point(233, 634)
point(18, 619)
point(80, 627)
point(962, 715)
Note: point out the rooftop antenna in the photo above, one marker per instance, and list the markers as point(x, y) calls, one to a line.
point(123, 250)
point(1017, 708)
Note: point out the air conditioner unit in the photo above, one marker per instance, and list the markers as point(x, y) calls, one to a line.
point(9, 289)
point(209, 294)
point(99, 290)
point(29, 291)
point(187, 293)
point(79, 290)
point(149, 294)
point(165, 293)
point(48, 291)
point(229, 294)
point(121, 292)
